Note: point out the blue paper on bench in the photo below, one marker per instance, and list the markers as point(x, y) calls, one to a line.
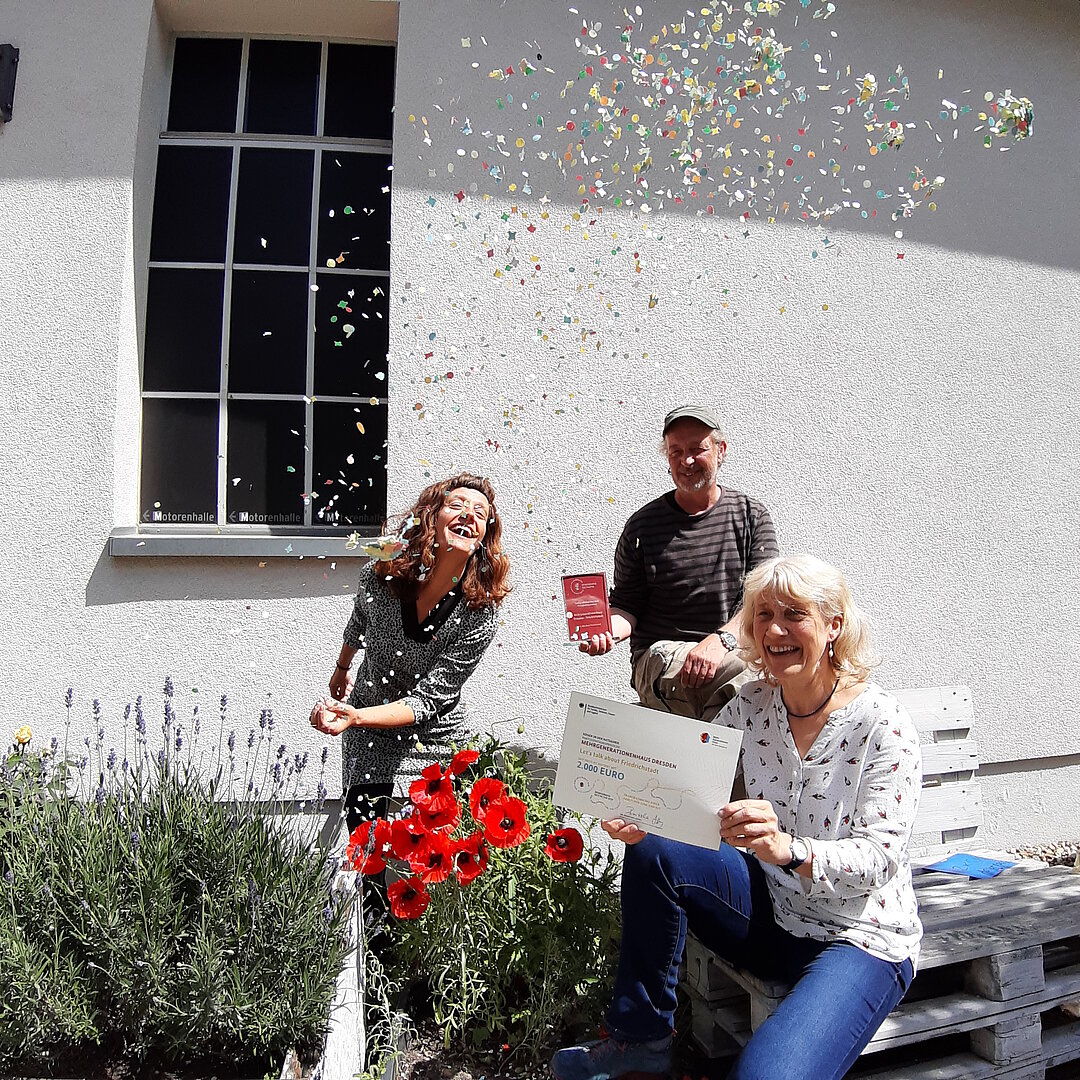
point(974, 866)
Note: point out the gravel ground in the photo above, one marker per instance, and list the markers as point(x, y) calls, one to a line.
point(1056, 853)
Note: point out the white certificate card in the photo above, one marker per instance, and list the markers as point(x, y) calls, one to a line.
point(668, 774)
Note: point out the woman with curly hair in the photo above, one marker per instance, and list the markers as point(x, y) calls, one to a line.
point(421, 622)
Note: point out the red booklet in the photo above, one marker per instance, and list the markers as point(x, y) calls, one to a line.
point(587, 610)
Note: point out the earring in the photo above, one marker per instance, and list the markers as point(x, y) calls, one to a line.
point(831, 652)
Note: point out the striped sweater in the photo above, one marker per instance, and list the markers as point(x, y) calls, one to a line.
point(680, 575)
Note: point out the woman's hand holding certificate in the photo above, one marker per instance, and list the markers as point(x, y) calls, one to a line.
point(752, 824)
point(626, 831)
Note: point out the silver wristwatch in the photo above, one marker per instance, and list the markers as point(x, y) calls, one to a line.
point(728, 640)
point(800, 852)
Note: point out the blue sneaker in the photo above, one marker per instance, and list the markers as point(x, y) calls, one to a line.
point(609, 1057)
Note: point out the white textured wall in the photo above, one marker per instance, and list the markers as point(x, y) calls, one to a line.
point(73, 242)
point(920, 432)
point(65, 213)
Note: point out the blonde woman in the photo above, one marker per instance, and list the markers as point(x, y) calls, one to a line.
point(811, 883)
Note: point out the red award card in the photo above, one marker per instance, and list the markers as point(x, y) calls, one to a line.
point(587, 610)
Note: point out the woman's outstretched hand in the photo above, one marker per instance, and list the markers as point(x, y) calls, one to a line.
point(751, 823)
point(626, 831)
point(332, 717)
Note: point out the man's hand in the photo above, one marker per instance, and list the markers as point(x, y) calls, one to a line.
point(599, 644)
point(626, 831)
point(703, 662)
point(751, 823)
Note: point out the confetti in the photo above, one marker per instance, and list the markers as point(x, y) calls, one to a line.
point(692, 114)
point(381, 549)
point(1010, 116)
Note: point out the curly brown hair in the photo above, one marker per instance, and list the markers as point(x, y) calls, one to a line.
point(485, 581)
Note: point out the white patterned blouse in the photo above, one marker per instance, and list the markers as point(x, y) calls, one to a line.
point(853, 798)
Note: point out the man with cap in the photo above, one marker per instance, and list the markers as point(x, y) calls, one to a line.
point(679, 568)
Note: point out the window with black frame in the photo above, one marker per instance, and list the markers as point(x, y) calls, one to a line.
point(264, 374)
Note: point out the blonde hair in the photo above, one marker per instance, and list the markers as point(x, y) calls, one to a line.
point(806, 580)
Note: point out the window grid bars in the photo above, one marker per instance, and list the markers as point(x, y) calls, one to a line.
point(237, 140)
point(214, 395)
point(226, 312)
point(312, 296)
point(277, 142)
point(343, 271)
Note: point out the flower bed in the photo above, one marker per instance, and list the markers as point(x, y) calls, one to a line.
point(162, 918)
point(503, 917)
point(156, 913)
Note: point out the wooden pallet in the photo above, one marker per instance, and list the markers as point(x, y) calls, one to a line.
point(998, 956)
point(967, 982)
point(1053, 1047)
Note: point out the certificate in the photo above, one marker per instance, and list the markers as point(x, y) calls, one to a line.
point(587, 610)
point(667, 774)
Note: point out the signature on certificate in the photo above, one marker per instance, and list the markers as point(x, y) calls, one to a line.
point(644, 797)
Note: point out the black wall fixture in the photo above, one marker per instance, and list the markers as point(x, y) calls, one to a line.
point(9, 63)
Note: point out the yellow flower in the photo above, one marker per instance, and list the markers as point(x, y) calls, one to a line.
point(22, 736)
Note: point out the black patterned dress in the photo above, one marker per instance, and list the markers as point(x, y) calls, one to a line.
point(423, 665)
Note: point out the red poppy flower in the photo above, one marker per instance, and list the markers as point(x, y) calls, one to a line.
point(408, 836)
point(408, 898)
point(470, 858)
point(564, 845)
point(433, 789)
point(440, 819)
point(368, 846)
point(436, 862)
point(484, 792)
point(505, 825)
point(461, 761)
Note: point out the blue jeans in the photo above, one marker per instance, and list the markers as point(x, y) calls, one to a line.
point(840, 994)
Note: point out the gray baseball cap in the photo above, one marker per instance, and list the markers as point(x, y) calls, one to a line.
point(702, 413)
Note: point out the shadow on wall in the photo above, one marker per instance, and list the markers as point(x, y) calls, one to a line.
point(1001, 204)
point(122, 581)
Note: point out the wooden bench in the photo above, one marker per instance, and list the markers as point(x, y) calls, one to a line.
point(998, 955)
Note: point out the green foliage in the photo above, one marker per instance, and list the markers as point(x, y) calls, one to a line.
point(145, 908)
point(387, 1029)
point(528, 948)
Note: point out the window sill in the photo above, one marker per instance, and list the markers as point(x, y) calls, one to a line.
point(203, 543)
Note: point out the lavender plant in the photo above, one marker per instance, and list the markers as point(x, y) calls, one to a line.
point(153, 905)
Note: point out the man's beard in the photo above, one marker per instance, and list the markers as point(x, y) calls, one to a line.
point(700, 482)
